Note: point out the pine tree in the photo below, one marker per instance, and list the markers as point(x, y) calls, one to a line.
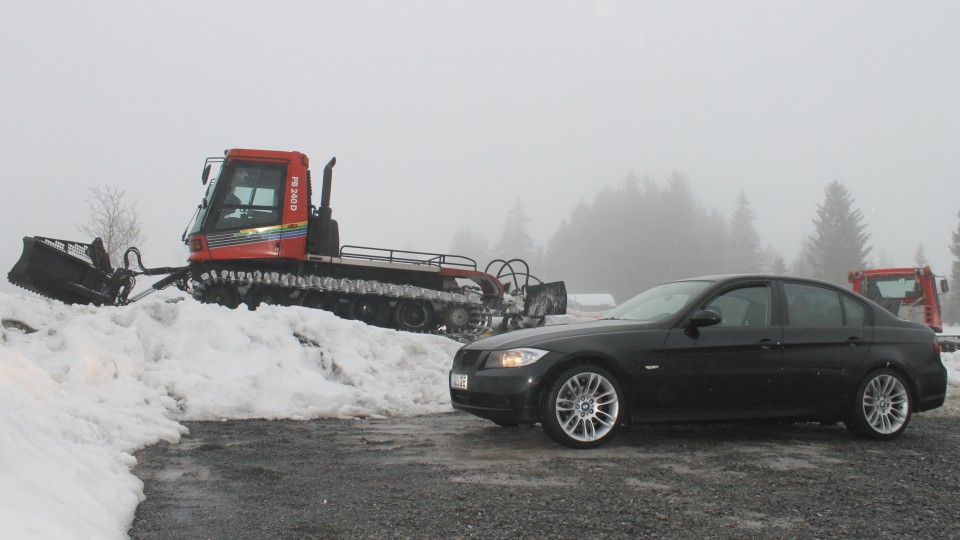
point(774, 261)
point(713, 243)
point(516, 242)
point(676, 248)
point(468, 244)
point(840, 241)
point(801, 265)
point(920, 257)
point(951, 311)
point(743, 252)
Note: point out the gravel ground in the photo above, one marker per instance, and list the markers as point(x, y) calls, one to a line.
point(454, 475)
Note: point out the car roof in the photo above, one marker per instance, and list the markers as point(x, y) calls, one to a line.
point(747, 277)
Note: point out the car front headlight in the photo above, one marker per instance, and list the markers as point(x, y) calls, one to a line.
point(514, 358)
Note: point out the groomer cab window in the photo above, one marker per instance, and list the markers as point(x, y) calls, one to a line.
point(250, 195)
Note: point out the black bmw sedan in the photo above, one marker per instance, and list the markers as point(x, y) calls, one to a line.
point(710, 348)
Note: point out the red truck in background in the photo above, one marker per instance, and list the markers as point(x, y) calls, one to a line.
point(912, 294)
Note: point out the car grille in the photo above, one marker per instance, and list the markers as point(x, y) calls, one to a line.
point(466, 358)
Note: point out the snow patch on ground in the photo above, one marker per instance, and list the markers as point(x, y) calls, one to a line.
point(82, 388)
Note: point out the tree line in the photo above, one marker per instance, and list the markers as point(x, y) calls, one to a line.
point(642, 233)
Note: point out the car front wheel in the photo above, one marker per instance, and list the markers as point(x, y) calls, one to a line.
point(882, 407)
point(582, 408)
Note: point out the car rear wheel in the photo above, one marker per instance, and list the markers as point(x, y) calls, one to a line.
point(582, 408)
point(882, 407)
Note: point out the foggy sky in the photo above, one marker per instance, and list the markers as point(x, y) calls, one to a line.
point(443, 114)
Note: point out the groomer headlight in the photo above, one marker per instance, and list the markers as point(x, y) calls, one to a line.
point(514, 358)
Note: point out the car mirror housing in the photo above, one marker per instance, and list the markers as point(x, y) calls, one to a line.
point(704, 317)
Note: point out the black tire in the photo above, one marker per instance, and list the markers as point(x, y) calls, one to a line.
point(583, 407)
point(270, 296)
point(882, 406)
point(414, 316)
point(223, 295)
point(319, 300)
point(372, 310)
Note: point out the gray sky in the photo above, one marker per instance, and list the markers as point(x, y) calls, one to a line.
point(442, 114)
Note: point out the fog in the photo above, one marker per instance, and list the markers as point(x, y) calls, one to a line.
point(444, 114)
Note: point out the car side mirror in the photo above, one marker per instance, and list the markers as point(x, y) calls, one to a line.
point(944, 288)
point(206, 174)
point(704, 317)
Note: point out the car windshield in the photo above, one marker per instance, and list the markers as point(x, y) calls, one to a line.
point(660, 302)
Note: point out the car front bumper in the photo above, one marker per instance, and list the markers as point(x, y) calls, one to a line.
point(510, 395)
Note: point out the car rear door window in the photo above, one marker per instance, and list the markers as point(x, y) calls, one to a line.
point(856, 314)
point(809, 305)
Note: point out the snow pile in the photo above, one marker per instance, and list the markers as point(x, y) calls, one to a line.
point(90, 386)
point(952, 361)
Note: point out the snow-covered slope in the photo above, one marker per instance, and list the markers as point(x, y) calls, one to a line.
point(92, 385)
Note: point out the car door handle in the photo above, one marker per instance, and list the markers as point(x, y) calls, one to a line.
point(767, 344)
point(855, 341)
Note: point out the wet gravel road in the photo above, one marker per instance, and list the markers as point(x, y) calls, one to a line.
point(453, 475)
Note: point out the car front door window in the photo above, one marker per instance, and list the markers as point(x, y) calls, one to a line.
point(747, 306)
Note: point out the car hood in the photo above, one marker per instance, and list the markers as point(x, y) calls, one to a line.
point(544, 335)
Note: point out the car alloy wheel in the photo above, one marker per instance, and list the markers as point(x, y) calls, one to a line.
point(582, 409)
point(883, 406)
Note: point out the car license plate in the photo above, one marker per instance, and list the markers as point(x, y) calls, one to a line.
point(458, 381)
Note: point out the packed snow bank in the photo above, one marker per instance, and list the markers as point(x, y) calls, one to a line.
point(952, 361)
point(90, 386)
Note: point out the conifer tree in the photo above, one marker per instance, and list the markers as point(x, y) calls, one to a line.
point(774, 261)
point(951, 311)
point(743, 252)
point(467, 243)
point(839, 243)
point(920, 257)
point(516, 241)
